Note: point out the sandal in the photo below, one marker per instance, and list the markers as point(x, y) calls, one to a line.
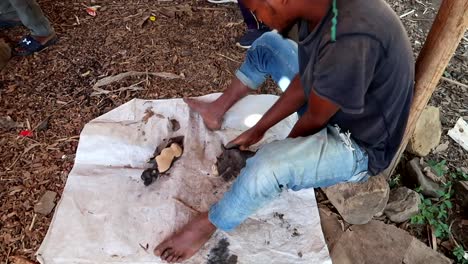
point(29, 45)
point(9, 23)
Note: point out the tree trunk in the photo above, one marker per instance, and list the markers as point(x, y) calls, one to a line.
point(441, 43)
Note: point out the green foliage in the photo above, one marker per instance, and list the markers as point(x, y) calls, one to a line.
point(459, 175)
point(459, 254)
point(418, 189)
point(434, 212)
point(395, 181)
point(439, 167)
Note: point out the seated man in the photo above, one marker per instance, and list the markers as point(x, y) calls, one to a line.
point(27, 12)
point(350, 78)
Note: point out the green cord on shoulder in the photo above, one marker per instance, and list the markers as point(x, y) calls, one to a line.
point(334, 21)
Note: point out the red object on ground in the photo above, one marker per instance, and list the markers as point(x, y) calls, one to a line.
point(91, 10)
point(26, 133)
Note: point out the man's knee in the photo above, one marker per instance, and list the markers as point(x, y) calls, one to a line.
point(263, 174)
point(268, 39)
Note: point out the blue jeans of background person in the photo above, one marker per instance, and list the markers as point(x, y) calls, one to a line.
point(30, 14)
point(320, 160)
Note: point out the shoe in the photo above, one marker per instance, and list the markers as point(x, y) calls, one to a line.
point(9, 23)
point(250, 36)
point(29, 45)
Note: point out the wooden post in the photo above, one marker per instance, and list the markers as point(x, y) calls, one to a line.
point(441, 43)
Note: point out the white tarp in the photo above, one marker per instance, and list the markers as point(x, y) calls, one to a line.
point(459, 133)
point(107, 215)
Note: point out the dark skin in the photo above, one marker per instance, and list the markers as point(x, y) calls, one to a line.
point(319, 111)
point(280, 15)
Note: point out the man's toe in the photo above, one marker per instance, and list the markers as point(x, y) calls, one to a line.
point(166, 253)
point(158, 250)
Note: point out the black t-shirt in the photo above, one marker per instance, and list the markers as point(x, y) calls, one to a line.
point(368, 72)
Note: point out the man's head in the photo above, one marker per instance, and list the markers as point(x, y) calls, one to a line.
point(276, 14)
point(283, 14)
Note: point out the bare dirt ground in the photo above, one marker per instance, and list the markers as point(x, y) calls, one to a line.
point(51, 92)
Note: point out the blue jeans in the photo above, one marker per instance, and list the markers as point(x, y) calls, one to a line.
point(270, 55)
point(320, 160)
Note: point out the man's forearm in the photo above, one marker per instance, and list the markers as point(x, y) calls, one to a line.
point(306, 126)
point(319, 111)
point(289, 102)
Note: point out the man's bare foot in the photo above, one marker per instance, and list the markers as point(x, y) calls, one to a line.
point(185, 243)
point(211, 117)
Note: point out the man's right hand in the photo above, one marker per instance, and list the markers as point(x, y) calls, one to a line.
point(248, 138)
point(289, 102)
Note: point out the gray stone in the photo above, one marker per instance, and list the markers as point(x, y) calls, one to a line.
point(441, 148)
point(377, 242)
point(46, 203)
point(419, 253)
point(357, 203)
point(5, 53)
point(331, 226)
point(427, 132)
point(461, 193)
point(416, 177)
point(7, 123)
point(403, 203)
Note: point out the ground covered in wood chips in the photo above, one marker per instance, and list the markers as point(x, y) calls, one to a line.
point(51, 92)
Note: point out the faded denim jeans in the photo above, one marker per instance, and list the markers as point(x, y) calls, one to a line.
point(30, 14)
point(320, 160)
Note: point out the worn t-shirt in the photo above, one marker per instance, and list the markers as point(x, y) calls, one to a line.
point(368, 72)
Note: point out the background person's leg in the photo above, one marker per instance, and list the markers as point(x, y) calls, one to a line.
point(255, 28)
point(321, 160)
point(32, 17)
point(249, 19)
point(7, 12)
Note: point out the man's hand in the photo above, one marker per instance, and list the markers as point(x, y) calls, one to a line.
point(289, 102)
point(248, 138)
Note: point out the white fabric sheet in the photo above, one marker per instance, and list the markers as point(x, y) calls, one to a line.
point(107, 215)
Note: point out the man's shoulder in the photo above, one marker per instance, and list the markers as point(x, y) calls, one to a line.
point(373, 19)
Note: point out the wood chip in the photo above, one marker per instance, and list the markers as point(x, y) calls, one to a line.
point(118, 77)
point(455, 82)
point(148, 114)
point(20, 260)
